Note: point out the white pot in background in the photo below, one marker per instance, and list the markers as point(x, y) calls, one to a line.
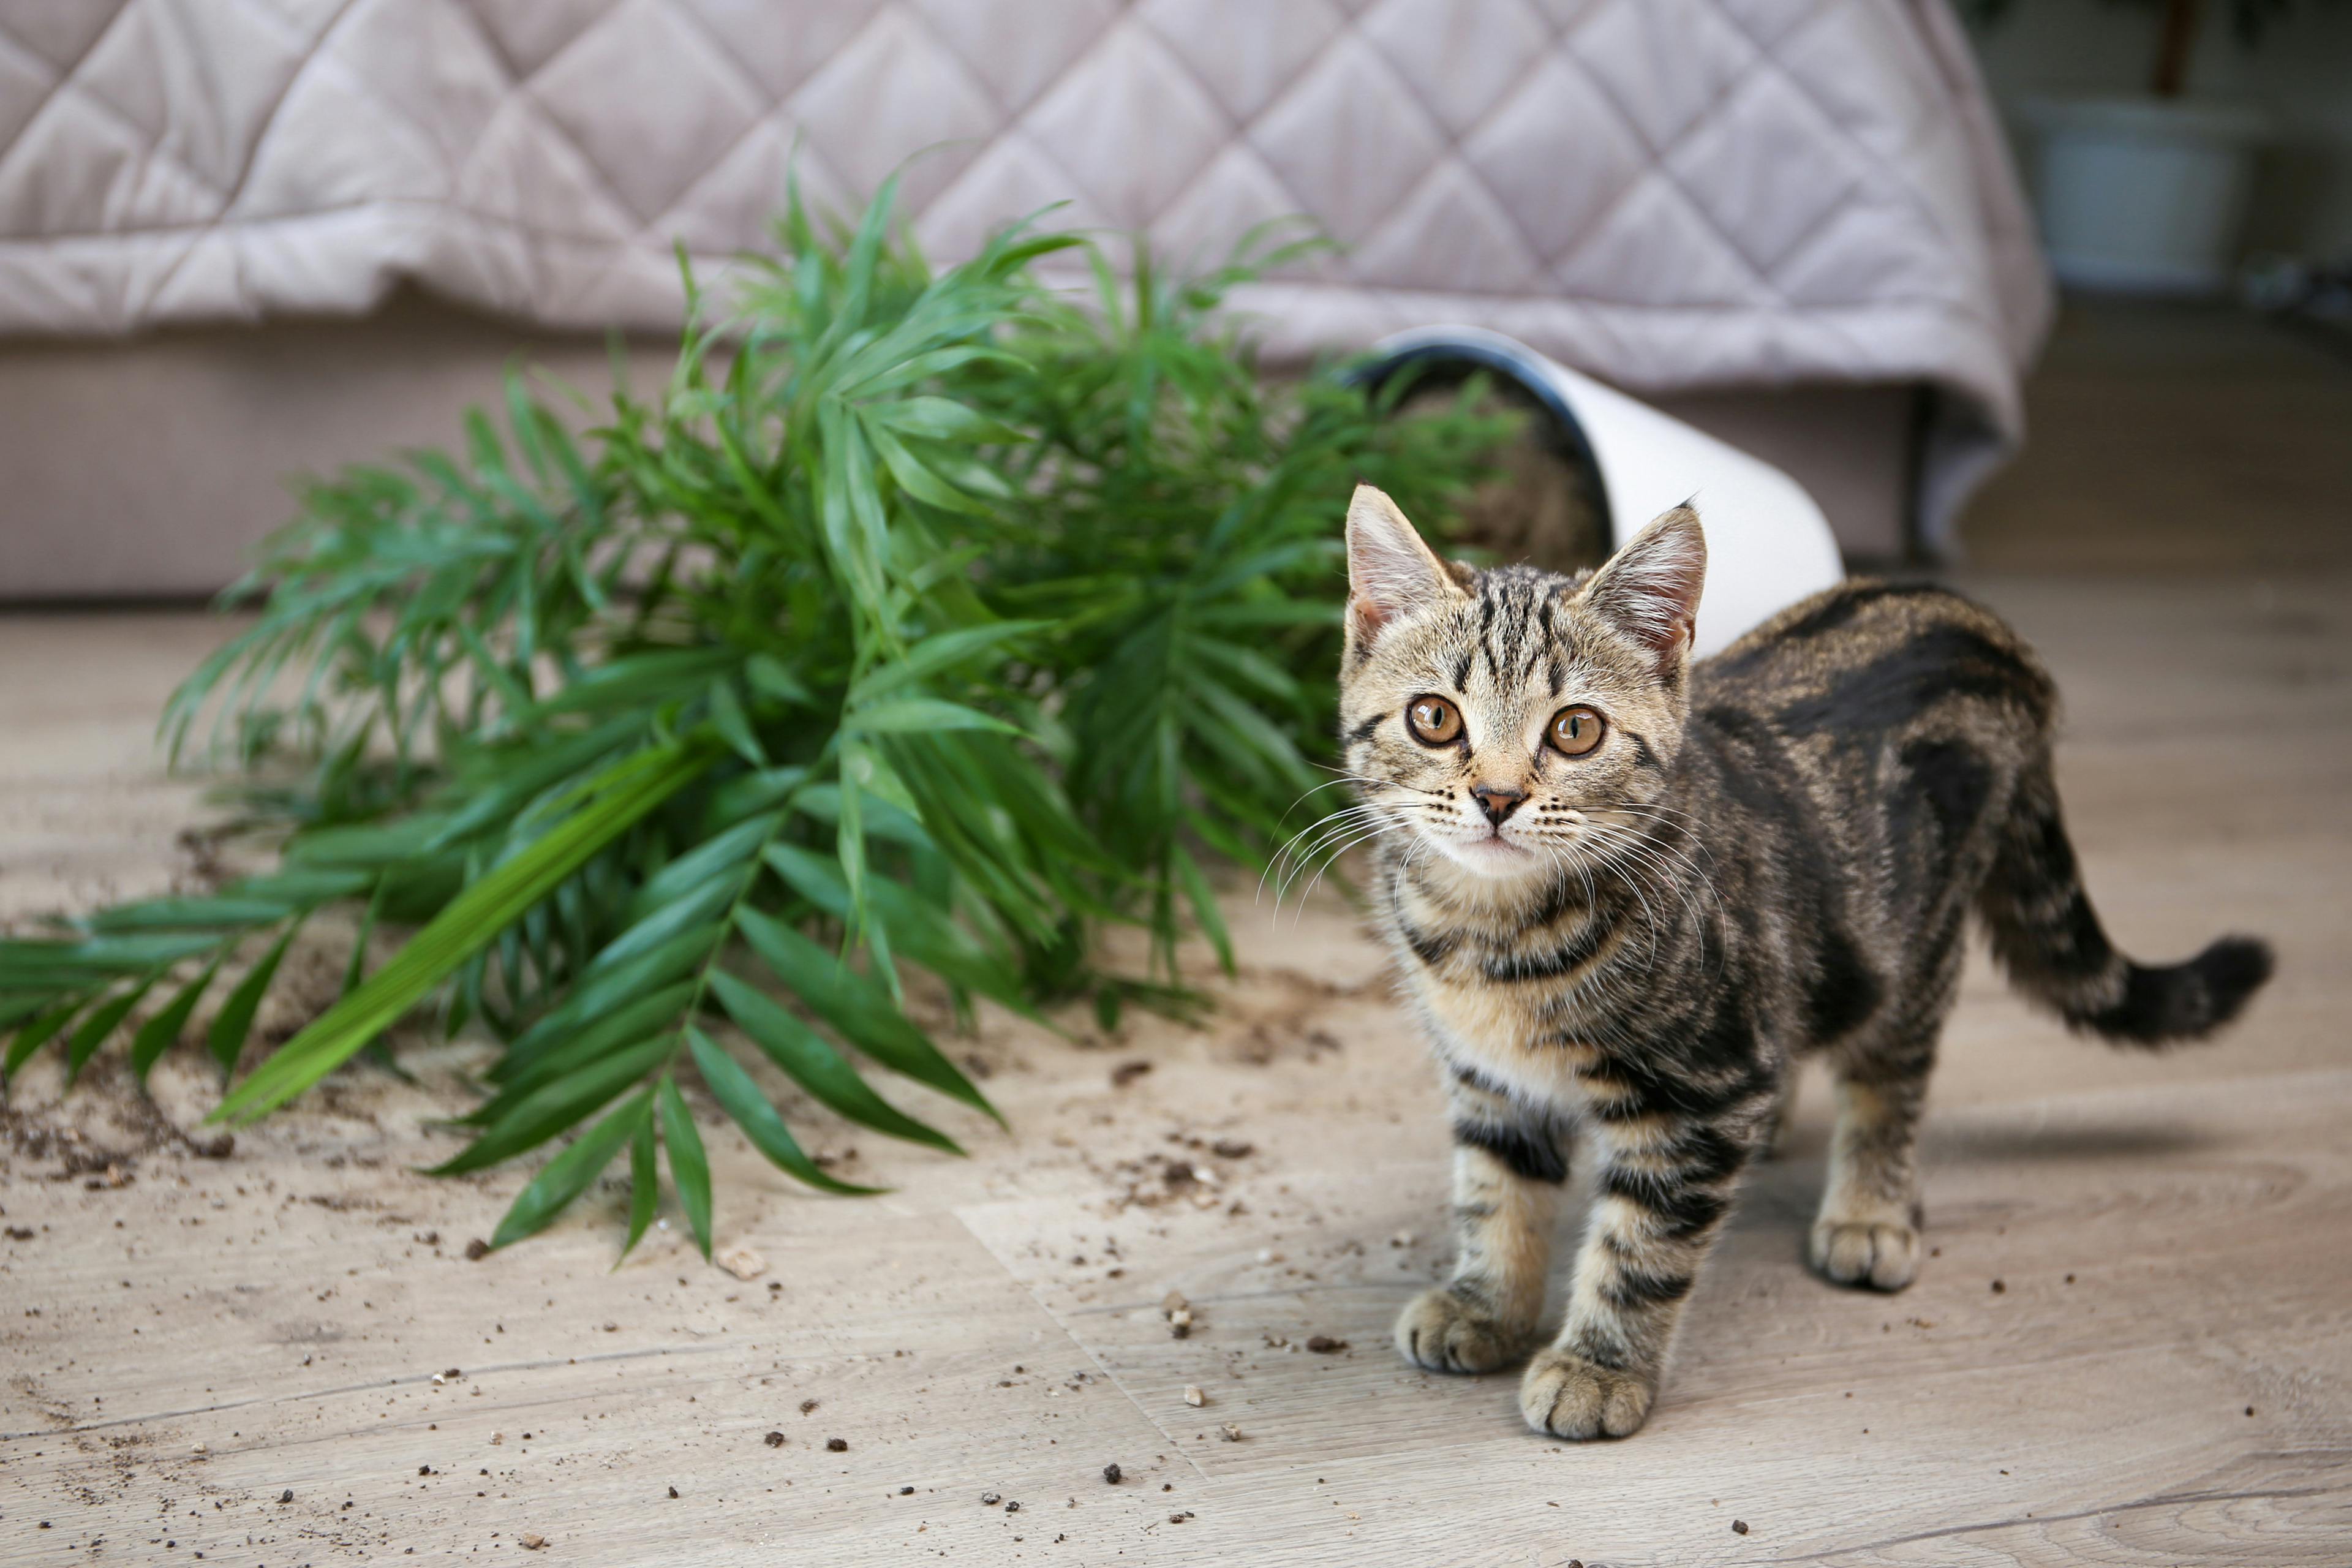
point(2143, 196)
point(1767, 544)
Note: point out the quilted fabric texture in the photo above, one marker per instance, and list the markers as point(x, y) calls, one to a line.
point(1669, 193)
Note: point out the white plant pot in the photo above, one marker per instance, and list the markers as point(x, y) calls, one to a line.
point(2143, 196)
point(1767, 544)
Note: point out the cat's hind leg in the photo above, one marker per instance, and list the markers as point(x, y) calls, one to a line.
point(1510, 1163)
point(1867, 1231)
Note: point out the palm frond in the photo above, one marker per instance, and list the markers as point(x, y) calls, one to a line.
point(924, 620)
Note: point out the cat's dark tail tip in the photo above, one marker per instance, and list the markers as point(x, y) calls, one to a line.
point(2187, 1001)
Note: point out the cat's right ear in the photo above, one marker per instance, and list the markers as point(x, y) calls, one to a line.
point(1391, 572)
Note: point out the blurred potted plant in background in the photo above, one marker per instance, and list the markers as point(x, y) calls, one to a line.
point(2148, 193)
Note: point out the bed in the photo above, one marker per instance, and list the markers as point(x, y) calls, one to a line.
point(243, 237)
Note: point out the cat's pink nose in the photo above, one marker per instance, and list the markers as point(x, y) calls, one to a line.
point(1497, 800)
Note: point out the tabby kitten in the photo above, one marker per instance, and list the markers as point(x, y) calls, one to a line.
point(1627, 891)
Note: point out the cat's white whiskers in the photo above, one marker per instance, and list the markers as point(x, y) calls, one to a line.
point(1354, 826)
point(1300, 843)
point(1318, 789)
point(1332, 844)
point(1306, 892)
point(1649, 916)
point(1655, 815)
point(1641, 854)
point(1331, 857)
point(1673, 868)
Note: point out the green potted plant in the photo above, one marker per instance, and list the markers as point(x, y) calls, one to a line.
point(2146, 193)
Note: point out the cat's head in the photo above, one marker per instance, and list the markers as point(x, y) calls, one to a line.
point(1517, 721)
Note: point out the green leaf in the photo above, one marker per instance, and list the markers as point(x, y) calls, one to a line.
point(517, 776)
point(857, 266)
point(363, 847)
point(49, 966)
point(918, 480)
point(808, 1060)
point(92, 1032)
point(223, 913)
point(299, 889)
point(158, 1034)
point(555, 1107)
point(940, 419)
point(473, 919)
point(738, 798)
point(877, 781)
point(853, 551)
point(715, 857)
point(234, 1022)
point(849, 830)
point(1250, 665)
point(644, 1185)
point(36, 1033)
point(1270, 612)
point(600, 991)
point(667, 922)
point(938, 361)
point(1203, 900)
point(690, 1168)
point(570, 1050)
point(921, 715)
point(733, 725)
point(567, 1175)
point(857, 1006)
point(769, 676)
point(919, 929)
point(1248, 724)
point(733, 1089)
point(941, 651)
point(879, 818)
point(355, 965)
point(627, 683)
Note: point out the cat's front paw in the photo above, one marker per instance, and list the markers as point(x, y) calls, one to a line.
point(1568, 1396)
point(1882, 1255)
point(1445, 1330)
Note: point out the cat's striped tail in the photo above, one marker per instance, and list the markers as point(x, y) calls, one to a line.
point(2049, 939)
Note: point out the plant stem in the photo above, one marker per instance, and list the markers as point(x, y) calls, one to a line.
point(2174, 44)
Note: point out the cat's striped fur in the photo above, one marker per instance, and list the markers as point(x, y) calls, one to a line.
point(1772, 853)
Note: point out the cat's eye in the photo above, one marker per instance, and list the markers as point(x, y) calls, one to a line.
point(1433, 721)
point(1573, 731)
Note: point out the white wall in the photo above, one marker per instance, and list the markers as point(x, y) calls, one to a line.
point(2301, 73)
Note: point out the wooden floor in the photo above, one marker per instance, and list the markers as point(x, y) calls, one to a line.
point(2167, 437)
point(2134, 1344)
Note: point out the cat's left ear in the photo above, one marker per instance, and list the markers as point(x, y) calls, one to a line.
point(1391, 572)
point(1650, 589)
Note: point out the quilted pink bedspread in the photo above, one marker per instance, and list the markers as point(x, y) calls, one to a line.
point(1669, 193)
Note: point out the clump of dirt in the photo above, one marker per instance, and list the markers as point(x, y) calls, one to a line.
point(1263, 1041)
point(1155, 1179)
point(99, 1132)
